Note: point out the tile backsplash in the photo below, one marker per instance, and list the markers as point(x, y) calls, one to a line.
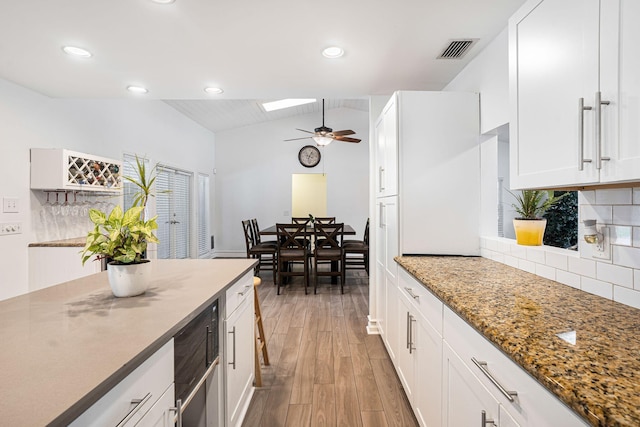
point(617, 279)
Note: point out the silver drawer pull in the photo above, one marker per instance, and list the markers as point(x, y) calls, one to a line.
point(233, 361)
point(244, 290)
point(410, 292)
point(484, 421)
point(483, 367)
point(139, 404)
point(177, 420)
point(581, 109)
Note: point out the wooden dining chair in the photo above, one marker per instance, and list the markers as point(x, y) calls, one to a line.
point(265, 253)
point(256, 233)
point(355, 253)
point(293, 248)
point(328, 250)
point(325, 219)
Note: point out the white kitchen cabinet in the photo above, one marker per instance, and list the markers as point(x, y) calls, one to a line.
point(239, 350)
point(60, 169)
point(143, 398)
point(466, 402)
point(532, 405)
point(50, 266)
point(387, 151)
point(385, 267)
point(564, 56)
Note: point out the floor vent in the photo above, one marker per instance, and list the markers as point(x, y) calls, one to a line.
point(456, 49)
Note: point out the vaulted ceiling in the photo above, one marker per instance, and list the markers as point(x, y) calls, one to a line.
point(252, 49)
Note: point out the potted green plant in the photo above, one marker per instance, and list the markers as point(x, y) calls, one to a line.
point(122, 238)
point(531, 205)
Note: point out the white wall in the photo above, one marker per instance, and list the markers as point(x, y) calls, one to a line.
point(488, 74)
point(101, 127)
point(253, 178)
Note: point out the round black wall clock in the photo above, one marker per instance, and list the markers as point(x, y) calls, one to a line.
point(309, 156)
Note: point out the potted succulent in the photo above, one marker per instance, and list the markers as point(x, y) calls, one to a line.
point(531, 205)
point(122, 238)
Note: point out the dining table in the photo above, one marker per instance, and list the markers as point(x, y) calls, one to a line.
point(347, 230)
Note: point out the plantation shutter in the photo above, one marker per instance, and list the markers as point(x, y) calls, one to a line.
point(173, 207)
point(203, 215)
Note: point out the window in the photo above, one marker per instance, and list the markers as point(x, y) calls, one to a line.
point(203, 216)
point(173, 207)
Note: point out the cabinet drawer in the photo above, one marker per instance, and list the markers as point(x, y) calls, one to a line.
point(426, 303)
point(534, 404)
point(237, 293)
point(146, 384)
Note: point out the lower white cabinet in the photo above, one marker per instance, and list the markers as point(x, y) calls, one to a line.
point(239, 350)
point(142, 399)
point(433, 351)
point(466, 401)
point(50, 266)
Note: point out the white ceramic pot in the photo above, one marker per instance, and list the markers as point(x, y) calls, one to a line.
point(128, 280)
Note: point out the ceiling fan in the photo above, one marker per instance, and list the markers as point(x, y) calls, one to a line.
point(325, 135)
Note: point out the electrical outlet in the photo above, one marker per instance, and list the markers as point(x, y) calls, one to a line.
point(602, 249)
point(9, 205)
point(10, 228)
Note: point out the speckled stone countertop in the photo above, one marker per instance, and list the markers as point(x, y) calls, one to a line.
point(76, 242)
point(521, 313)
point(64, 347)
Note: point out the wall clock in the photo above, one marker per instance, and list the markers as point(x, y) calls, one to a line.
point(309, 156)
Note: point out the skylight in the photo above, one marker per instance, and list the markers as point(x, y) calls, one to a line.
point(285, 103)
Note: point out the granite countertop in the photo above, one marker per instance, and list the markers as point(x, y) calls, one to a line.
point(521, 313)
point(65, 346)
point(75, 242)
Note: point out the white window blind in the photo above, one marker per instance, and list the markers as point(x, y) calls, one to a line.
point(203, 215)
point(173, 207)
point(129, 190)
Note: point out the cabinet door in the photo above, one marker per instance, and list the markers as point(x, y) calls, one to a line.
point(427, 388)
point(553, 63)
point(390, 218)
point(390, 173)
point(380, 155)
point(392, 336)
point(159, 415)
point(620, 85)
point(239, 361)
point(465, 399)
point(406, 346)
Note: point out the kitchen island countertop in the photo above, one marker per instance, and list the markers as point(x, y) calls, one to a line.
point(65, 346)
point(521, 313)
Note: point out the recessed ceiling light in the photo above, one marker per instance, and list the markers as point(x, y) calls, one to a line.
point(213, 90)
point(333, 52)
point(163, 1)
point(77, 51)
point(137, 89)
point(285, 103)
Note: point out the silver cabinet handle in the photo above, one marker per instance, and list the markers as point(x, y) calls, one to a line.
point(411, 320)
point(381, 178)
point(233, 361)
point(244, 290)
point(408, 326)
point(382, 224)
point(178, 410)
point(410, 292)
point(483, 367)
point(599, 104)
point(581, 110)
point(484, 421)
point(139, 404)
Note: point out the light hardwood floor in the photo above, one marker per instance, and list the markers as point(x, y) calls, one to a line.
point(325, 369)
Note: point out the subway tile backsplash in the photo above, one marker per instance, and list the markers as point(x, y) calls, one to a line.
point(617, 279)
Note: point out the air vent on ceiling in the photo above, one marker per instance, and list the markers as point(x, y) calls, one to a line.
point(456, 49)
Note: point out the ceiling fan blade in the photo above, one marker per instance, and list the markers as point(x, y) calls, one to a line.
point(347, 139)
point(296, 139)
point(343, 132)
point(302, 130)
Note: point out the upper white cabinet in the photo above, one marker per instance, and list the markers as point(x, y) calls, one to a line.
point(387, 150)
point(60, 169)
point(574, 91)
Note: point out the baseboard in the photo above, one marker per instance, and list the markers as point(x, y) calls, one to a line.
point(372, 326)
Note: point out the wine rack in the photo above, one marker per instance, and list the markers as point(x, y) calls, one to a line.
point(61, 169)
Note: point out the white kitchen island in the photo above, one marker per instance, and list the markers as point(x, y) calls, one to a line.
point(66, 346)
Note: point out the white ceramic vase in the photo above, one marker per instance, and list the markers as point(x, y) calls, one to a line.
point(128, 280)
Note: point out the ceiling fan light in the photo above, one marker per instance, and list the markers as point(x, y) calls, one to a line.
point(333, 52)
point(322, 140)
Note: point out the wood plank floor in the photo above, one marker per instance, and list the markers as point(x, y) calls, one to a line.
point(325, 369)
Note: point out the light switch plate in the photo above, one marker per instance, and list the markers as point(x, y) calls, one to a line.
point(10, 228)
point(10, 205)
